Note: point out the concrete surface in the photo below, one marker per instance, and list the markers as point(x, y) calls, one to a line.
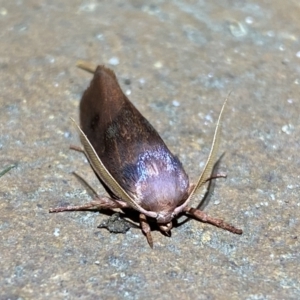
point(178, 60)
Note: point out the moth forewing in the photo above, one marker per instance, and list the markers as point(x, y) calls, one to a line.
point(105, 176)
point(211, 157)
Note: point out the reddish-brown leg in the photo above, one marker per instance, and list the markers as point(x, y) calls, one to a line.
point(76, 148)
point(146, 229)
point(220, 175)
point(202, 216)
point(166, 228)
point(98, 203)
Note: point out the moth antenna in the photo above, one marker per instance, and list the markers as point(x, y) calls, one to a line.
point(106, 177)
point(86, 66)
point(212, 155)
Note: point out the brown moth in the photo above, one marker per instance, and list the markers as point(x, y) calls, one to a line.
point(132, 161)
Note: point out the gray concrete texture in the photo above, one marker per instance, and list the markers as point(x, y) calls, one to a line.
point(177, 61)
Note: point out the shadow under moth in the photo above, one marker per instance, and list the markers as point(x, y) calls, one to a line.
point(132, 161)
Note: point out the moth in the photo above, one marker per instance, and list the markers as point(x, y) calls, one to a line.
point(132, 161)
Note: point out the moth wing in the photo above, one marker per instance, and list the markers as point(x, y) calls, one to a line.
point(104, 174)
point(211, 158)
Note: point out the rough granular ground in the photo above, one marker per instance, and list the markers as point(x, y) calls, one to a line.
point(176, 61)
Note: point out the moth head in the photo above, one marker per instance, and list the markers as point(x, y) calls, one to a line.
point(164, 218)
point(166, 227)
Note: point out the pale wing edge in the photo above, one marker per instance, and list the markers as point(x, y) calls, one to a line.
point(211, 157)
point(104, 174)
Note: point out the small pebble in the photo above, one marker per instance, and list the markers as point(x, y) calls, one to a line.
point(114, 61)
point(175, 103)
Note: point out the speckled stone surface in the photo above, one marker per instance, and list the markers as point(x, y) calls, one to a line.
point(177, 61)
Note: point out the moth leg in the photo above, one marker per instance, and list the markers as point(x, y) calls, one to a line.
point(146, 229)
point(76, 148)
point(166, 228)
point(202, 216)
point(98, 203)
point(219, 175)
